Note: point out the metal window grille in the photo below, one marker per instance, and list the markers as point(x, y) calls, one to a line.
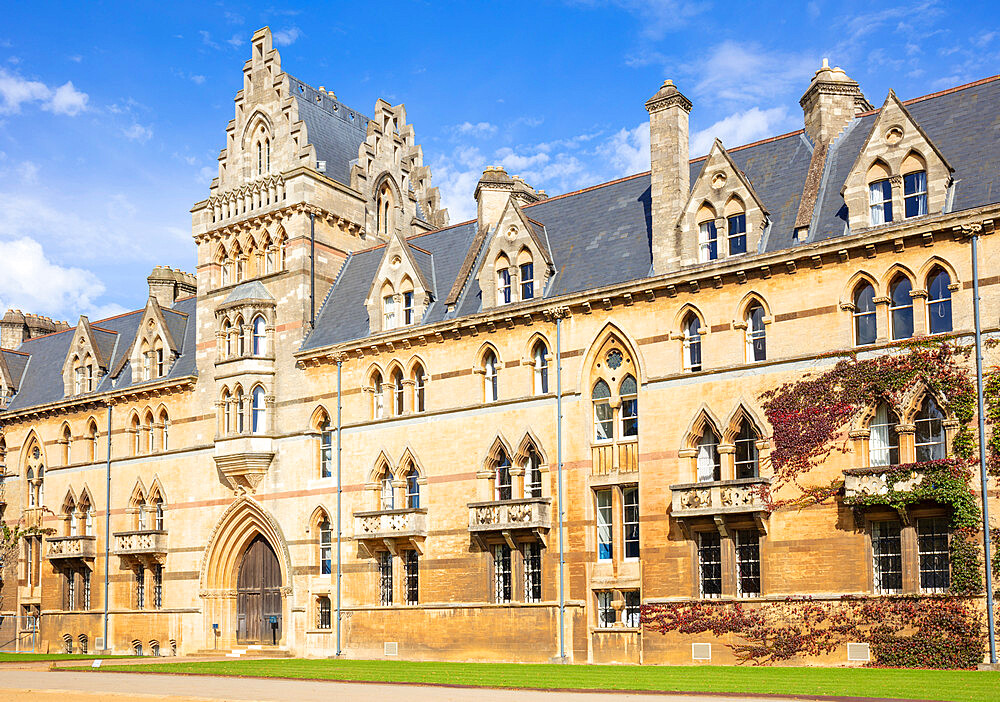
point(605, 537)
point(632, 610)
point(605, 611)
point(932, 550)
point(140, 588)
point(710, 564)
point(412, 578)
point(85, 582)
point(630, 521)
point(532, 573)
point(323, 613)
point(887, 561)
point(385, 578)
point(70, 590)
point(747, 563)
point(501, 573)
point(157, 587)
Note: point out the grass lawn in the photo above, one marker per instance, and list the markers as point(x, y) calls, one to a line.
point(855, 682)
point(13, 657)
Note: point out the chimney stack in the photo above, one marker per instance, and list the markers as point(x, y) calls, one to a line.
point(493, 191)
point(830, 102)
point(670, 177)
point(167, 285)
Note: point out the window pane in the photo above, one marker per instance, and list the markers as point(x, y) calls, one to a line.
point(746, 452)
point(929, 433)
point(887, 559)
point(747, 563)
point(883, 441)
point(709, 466)
point(710, 564)
point(932, 550)
point(939, 303)
point(603, 421)
point(692, 344)
point(412, 578)
point(902, 309)
point(630, 521)
point(501, 573)
point(527, 281)
point(532, 572)
point(605, 543)
point(632, 611)
point(708, 241)
point(605, 610)
point(737, 234)
point(915, 193)
point(385, 578)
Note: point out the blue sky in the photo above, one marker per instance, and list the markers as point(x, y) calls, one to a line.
point(112, 115)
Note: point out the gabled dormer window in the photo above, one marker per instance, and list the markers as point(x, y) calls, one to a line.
point(708, 241)
point(527, 273)
point(408, 317)
point(737, 234)
point(505, 294)
point(389, 312)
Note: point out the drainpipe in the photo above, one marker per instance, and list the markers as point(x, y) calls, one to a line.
point(559, 494)
point(982, 449)
point(312, 270)
point(340, 366)
point(107, 530)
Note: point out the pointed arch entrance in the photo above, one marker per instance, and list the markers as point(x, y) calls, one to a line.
point(258, 595)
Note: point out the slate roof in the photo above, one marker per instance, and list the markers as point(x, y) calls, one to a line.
point(601, 236)
point(16, 363)
point(252, 290)
point(335, 129)
point(42, 382)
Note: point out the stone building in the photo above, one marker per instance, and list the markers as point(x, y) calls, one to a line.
point(187, 453)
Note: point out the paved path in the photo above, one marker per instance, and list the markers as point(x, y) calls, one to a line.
point(46, 686)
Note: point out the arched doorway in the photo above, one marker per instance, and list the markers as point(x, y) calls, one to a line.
point(258, 595)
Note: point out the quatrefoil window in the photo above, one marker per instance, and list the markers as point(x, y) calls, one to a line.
point(615, 359)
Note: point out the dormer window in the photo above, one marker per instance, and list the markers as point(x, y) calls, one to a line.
point(527, 271)
point(408, 308)
point(880, 202)
point(160, 365)
point(389, 312)
point(915, 194)
point(504, 290)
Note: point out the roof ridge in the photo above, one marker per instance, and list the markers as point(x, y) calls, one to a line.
point(106, 331)
point(583, 190)
point(414, 246)
point(939, 93)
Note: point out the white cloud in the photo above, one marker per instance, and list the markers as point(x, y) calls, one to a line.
point(628, 150)
point(38, 285)
point(515, 163)
point(198, 79)
point(742, 72)
point(207, 173)
point(16, 91)
point(28, 172)
point(479, 129)
point(741, 128)
point(138, 133)
point(76, 58)
point(206, 39)
point(287, 37)
point(235, 41)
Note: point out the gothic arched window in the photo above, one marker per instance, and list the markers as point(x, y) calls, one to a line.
point(864, 314)
point(929, 434)
point(901, 307)
point(883, 439)
point(939, 301)
point(709, 465)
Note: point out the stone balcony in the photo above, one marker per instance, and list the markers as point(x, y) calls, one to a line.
point(391, 528)
point(68, 547)
point(504, 518)
point(865, 482)
point(721, 498)
point(144, 545)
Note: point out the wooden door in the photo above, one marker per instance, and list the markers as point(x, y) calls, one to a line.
point(258, 595)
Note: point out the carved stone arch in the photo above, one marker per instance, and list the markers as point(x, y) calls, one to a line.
point(743, 410)
point(317, 417)
point(861, 419)
point(256, 119)
point(370, 373)
point(85, 498)
point(686, 309)
point(913, 161)
point(529, 441)
point(68, 505)
point(878, 169)
point(735, 205)
point(383, 178)
point(935, 262)
point(156, 490)
point(847, 296)
point(529, 348)
point(706, 212)
point(138, 495)
point(393, 366)
point(382, 463)
point(492, 457)
point(914, 397)
point(895, 270)
point(239, 525)
point(32, 441)
point(411, 365)
point(748, 299)
point(611, 331)
point(702, 418)
point(408, 459)
point(319, 513)
point(481, 355)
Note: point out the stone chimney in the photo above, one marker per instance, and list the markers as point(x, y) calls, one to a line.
point(670, 176)
point(830, 103)
point(493, 190)
point(167, 285)
point(13, 329)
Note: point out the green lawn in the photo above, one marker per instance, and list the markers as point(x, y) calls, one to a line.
point(856, 682)
point(12, 657)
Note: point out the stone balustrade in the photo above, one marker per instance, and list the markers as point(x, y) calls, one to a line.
point(145, 542)
point(531, 513)
point(63, 547)
point(863, 482)
point(720, 497)
point(390, 524)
